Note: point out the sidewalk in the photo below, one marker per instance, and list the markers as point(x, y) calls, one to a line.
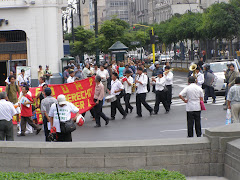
point(206, 178)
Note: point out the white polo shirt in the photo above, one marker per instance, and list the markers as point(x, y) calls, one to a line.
point(142, 88)
point(160, 83)
point(7, 110)
point(128, 89)
point(193, 93)
point(115, 86)
point(103, 74)
point(200, 79)
point(169, 78)
point(70, 79)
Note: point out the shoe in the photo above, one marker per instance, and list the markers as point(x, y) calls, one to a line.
point(131, 110)
point(205, 102)
point(107, 122)
point(112, 118)
point(138, 116)
point(97, 126)
point(224, 104)
point(225, 108)
point(151, 112)
point(18, 127)
point(124, 117)
point(38, 131)
point(155, 113)
point(21, 134)
point(166, 112)
point(214, 101)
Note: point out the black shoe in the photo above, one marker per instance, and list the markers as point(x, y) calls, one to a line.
point(225, 104)
point(38, 131)
point(166, 112)
point(225, 108)
point(97, 126)
point(155, 113)
point(214, 101)
point(151, 112)
point(107, 122)
point(131, 110)
point(205, 102)
point(138, 116)
point(112, 118)
point(21, 134)
point(124, 117)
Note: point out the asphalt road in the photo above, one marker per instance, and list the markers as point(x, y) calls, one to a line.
point(172, 125)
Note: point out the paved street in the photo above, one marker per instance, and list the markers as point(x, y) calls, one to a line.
point(172, 125)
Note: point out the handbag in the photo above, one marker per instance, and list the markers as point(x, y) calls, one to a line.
point(203, 108)
point(67, 126)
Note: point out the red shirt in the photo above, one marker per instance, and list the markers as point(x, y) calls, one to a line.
point(27, 112)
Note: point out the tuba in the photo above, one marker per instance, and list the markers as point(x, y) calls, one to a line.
point(193, 68)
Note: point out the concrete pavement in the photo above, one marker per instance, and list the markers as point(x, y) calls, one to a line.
point(206, 178)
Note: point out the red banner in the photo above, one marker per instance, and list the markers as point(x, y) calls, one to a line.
point(80, 93)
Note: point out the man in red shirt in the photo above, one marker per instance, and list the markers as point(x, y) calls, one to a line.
point(26, 111)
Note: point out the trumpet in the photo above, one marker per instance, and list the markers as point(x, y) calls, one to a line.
point(193, 68)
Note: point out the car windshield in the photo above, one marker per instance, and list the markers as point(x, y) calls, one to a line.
point(218, 67)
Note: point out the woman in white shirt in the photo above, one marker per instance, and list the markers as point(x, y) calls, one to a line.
point(128, 82)
point(160, 83)
point(103, 73)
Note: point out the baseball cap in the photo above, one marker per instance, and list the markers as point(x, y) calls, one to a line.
point(156, 63)
point(61, 99)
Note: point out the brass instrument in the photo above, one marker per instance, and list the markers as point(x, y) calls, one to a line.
point(193, 68)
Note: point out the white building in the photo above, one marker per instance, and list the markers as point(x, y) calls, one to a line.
point(31, 34)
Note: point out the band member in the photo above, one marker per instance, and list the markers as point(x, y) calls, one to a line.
point(199, 77)
point(128, 83)
point(160, 94)
point(169, 82)
point(141, 92)
point(98, 99)
point(116, 88)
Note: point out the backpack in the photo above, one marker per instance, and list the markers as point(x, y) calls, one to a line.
point(148, 85)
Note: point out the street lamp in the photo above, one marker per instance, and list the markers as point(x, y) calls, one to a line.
point(96, 29)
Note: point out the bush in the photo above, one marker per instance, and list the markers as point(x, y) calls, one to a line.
point(119, 175)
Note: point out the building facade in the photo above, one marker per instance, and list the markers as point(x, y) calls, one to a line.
point(138, 11)
point(30, 34)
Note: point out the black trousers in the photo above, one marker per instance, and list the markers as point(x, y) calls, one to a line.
point(169, 95)
point(209, 91)
point(64, 137)
point(6, 130)
point(92, 113)
point(127, 102)
point(117, 105)
point(194, 117)
point(160, 97)
point(46, 131)
point(99, 113)
point(141, 100)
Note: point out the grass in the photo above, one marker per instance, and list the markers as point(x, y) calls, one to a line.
point(119, 175)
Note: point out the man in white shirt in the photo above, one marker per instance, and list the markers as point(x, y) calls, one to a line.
point(22, 78)
point(41, 81)
point(200, 77)
point(160, 82)
point(7, 111)
point(128, 82)
point(169, 82)
point(64, 109)
point(193, 95)
point(141, 92)
point(103, 73)
point(86, 71)
point(71, 77)
point(116, 88)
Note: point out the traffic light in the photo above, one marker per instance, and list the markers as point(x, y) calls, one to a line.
point(153, 38)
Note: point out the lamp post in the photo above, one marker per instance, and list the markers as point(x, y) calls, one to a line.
point(96, 29)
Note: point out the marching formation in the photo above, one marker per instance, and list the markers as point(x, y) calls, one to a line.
point(113, 83)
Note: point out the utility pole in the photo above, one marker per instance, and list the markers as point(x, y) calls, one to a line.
point(79, 11)
point(96, 29)
point(73, 36)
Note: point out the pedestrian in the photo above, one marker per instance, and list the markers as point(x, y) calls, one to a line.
point(45, 108)
point(128, 83)
point(78, 72)
point(47, 75)
point(71, 77)
point(98, 99)
point(12, 90)
point(192, 95)
point(86, 71)
point(103, 73)
point(141, 92)
point(116, 88)
point(40, 72)
point(233, 100)
point(166, 64)
point(22, 78)
point(26, 112)
point(238, 55)
point(95, 69)
point(200, 64)
point(7, 111)
point(169, 84)
point(209, 79)
point(42, 81)
point(66, 73)
point(160, 83)
point(121, 70)
point(199, 77)
point(40, 96)
point(7, 81)
point(127, 68)
point(62, 110)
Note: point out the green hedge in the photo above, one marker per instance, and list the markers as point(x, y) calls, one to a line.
point(119, 175)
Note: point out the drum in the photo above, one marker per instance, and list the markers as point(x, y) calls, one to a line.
point(80, 120)
point(110, 98)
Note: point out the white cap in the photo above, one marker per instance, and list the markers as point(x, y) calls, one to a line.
point(156, 63)
point(61, 99)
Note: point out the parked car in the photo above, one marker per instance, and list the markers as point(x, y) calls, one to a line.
point(218, 69)
point(164, 58)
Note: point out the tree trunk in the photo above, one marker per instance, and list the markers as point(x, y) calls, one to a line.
point(192, 53)
point(216, 47)
point(175, 54)
point(231, 50)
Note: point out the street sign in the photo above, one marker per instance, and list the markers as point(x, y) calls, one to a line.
point(134, 43)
